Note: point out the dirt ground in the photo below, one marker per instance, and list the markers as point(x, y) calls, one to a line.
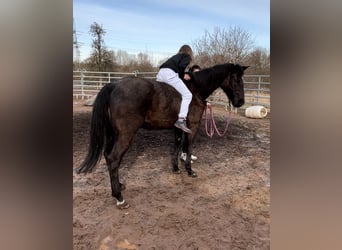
point(226, 207)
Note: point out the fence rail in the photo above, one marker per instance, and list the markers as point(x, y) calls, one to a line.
point(88, 83)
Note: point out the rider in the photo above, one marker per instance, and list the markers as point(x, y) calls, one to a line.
point(172, 72)
point(193, 68)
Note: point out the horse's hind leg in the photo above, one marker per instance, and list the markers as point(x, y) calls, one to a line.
point(108, 149)
point(178, 142)
point(113, 160)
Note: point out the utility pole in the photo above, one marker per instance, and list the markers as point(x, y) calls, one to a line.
point(76, 50)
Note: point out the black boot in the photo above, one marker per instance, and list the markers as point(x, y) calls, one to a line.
point(180, 123)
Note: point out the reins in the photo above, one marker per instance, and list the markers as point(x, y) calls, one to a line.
point(210, 125)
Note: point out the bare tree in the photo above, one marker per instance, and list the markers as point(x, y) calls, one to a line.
point(144, 62)
point(223, 46)
point(143, 58)
point(100, 58)
point(259, 60)
point(123, 58)
point(131, 62)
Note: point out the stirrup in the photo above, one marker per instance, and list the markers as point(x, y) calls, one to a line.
point(181, 125)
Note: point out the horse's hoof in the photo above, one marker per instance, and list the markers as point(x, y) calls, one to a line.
point(192, 174)
point(122, 205)
point(176, 171)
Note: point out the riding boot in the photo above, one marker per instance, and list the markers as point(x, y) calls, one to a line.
point(181, 124)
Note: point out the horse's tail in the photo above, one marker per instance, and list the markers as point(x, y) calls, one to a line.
point(99, 129)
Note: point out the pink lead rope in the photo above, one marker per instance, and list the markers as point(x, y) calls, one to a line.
point(210, 125)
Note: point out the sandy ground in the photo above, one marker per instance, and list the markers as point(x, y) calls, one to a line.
point(226, 207)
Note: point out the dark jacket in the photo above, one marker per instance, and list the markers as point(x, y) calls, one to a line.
point(177, 63)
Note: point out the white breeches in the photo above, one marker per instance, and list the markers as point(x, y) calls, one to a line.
point(170, 77)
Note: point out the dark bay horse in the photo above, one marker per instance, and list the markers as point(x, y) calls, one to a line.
point(121, 108)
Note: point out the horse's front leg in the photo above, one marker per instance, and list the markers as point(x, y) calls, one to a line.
point(187, 147)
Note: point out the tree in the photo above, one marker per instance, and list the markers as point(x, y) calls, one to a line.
point(123, 58)
point(223, 46)
point(101, 59)
point(259, 61)
point(131, 62)
point(144, 62)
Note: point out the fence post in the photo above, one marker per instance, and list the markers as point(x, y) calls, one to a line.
point(100, 83)
point(108, 77)
point(82, 86)
point(258, 93)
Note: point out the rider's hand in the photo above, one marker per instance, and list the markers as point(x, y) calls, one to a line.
point(187, 77)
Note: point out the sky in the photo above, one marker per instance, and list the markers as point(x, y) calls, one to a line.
point(159, 28)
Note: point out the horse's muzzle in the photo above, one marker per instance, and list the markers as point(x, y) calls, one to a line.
point(239, 103)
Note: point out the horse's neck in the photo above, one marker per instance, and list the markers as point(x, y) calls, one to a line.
point(208, 85)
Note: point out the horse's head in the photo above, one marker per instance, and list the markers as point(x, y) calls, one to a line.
point(233, 85)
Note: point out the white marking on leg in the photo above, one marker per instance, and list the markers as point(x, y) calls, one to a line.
point(119, 203)
point(183, 156)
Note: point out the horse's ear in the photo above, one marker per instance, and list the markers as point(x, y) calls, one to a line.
point(245, 67)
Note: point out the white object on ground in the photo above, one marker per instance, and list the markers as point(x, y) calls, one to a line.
point(256, 111)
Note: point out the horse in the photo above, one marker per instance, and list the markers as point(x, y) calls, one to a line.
point(124, 106)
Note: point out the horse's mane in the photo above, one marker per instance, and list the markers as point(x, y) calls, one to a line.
point(222, 68)
point(215, 73)
point(208, 78)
